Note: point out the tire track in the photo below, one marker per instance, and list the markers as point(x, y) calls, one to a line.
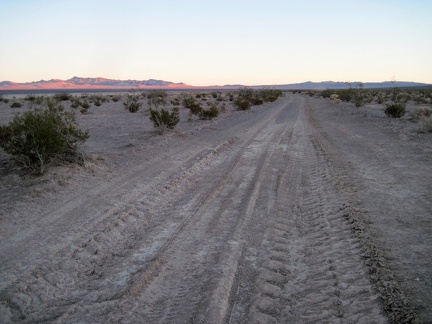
point(310, 267)
point(131, 235)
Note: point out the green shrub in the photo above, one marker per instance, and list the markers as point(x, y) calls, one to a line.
point(395, 110)
point(85, 104)
point(30, 97)
point(345, 94)
point(75, 102)
point(270, 95)
point(41, 138)
point(157, 97)
point(132, 103)
point(326, 93)
point(242, 104)
point(210, 113)
point(16, 104)
point(62, 96)
point(98, 100)
point(163, 119)
point(175, 101)
point(190, 102)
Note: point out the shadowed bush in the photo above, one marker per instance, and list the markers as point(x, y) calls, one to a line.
point(395, 110)
point(16, 104)
point(41, 138)
point(62, 96)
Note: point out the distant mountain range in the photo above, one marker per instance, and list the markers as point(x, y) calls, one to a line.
point(345, 85)
point(78, 83)
point(90, 83)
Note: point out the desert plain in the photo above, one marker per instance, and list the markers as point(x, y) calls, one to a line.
point(302, 210)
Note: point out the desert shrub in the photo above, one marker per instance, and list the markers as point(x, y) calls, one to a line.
point(175, 101)
point(359, 99)
point(190, 103)
point(326, 93)
point(115, 98)
point(163, 119)
point(98, 100)
point(395, 110)
point(270, 95)
point(244, 98)
point(157, 97)
point(16, 104)
point(85, 104)
point(30, 97)
point(5, 100)
point(132, 103)
point(215, 94)
point(247, 97)
point(210, 113)
point(75, 102)
point(242, 104)
point(62, 96)
point(425, 123)
point(345, 94)
point(419, 113)
point(41, 138)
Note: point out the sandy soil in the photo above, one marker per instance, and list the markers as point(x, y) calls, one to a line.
point(298, 211)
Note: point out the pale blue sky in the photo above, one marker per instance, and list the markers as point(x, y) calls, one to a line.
point(217, 42)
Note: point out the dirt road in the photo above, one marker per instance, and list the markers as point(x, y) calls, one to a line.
point(257, 218)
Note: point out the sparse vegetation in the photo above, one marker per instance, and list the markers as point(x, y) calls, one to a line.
point(163, 119)
point(132, 103)
point(190, 103)
point(420, 113)
point(41, 138)
point(247, 97)
point(98, 100)
point(157, 98)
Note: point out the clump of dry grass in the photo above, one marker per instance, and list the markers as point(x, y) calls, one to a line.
point(425, 123)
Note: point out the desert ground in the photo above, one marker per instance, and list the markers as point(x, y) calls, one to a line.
point(302, 210)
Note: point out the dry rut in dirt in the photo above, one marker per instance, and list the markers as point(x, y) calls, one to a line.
point(251, 227)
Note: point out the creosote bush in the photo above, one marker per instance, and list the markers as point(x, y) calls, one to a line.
point(210, 113)
point(42, 138)
point(247, 97)
point(395, 110)
point(16, 104)
point(132, 103)
point(62, 96)
point(163, 119)
point(157, 98)
point(190, 103)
